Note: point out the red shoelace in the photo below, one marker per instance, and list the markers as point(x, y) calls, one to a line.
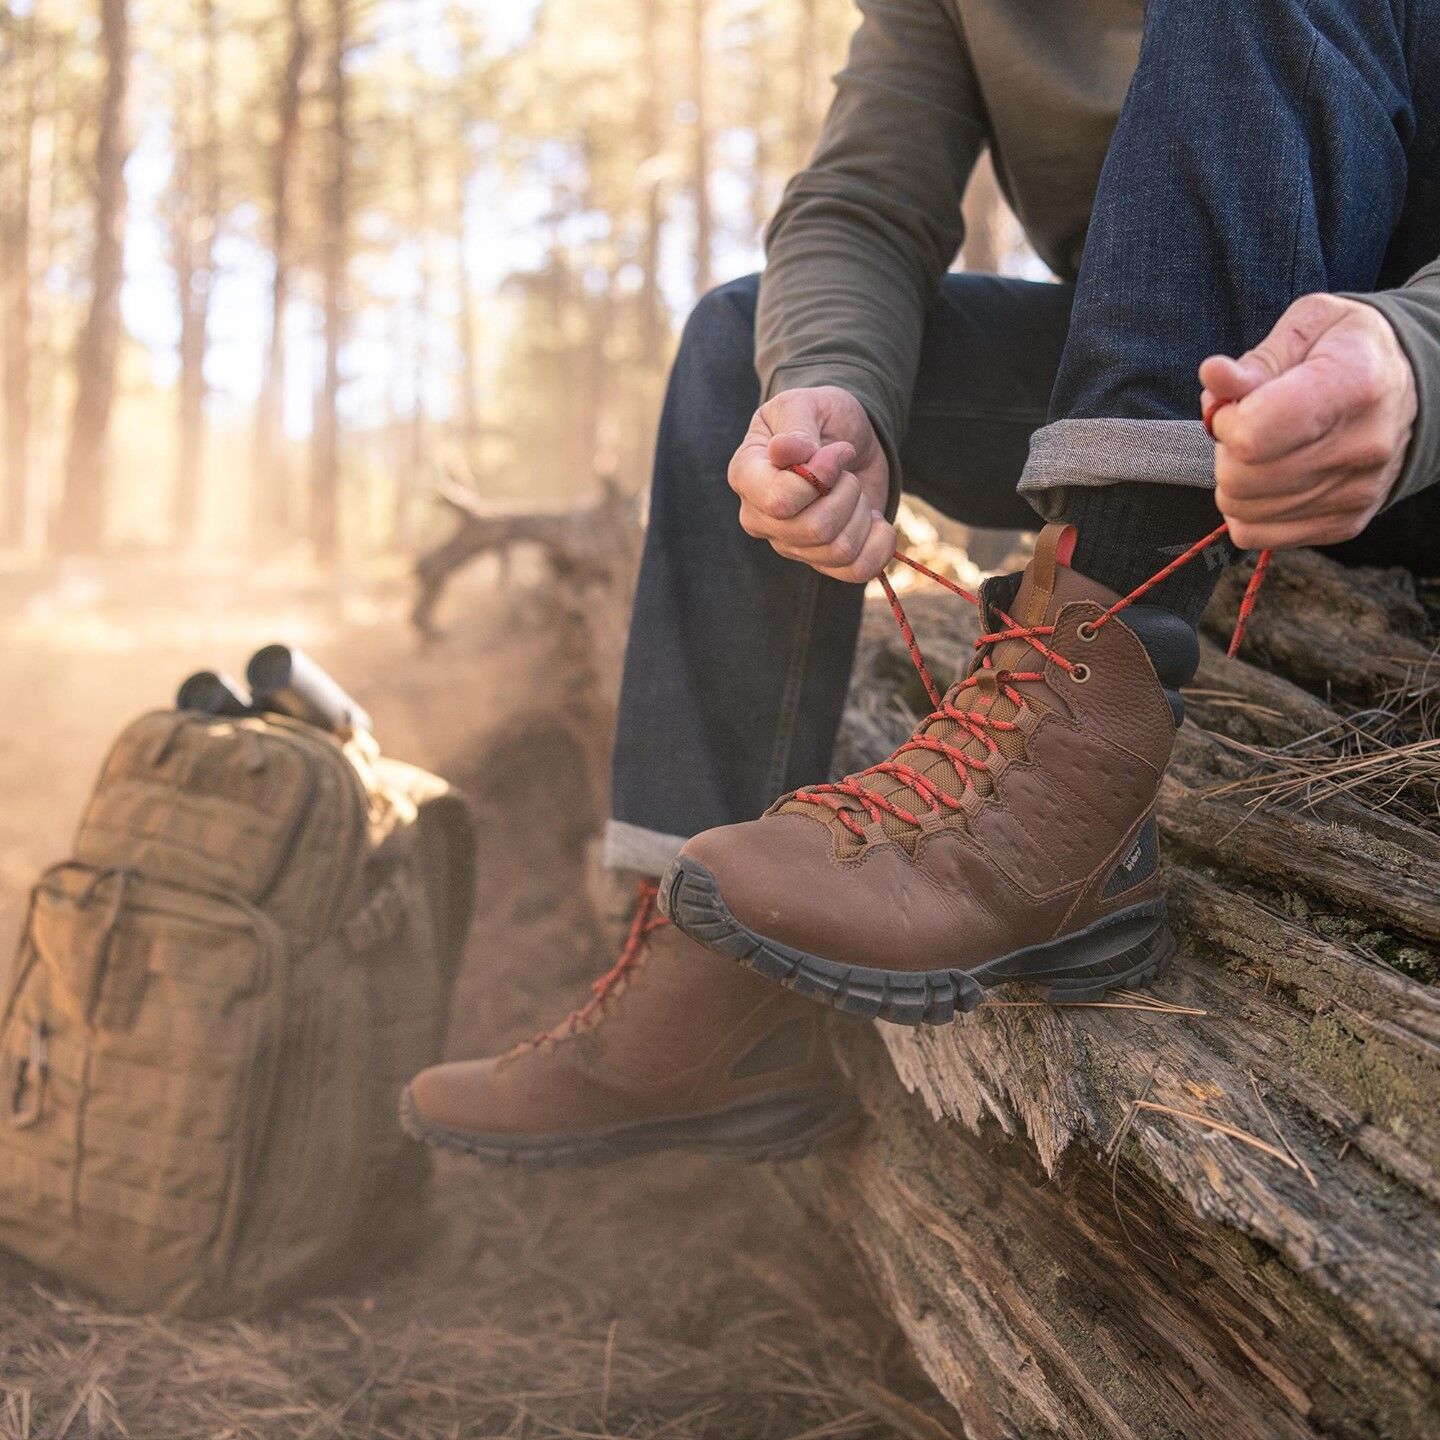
point(980, 724)
point(644, 923)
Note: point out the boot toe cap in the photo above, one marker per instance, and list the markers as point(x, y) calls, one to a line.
point(459, 1095)
point(778, 877)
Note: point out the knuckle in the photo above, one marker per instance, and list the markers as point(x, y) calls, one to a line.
point(1373, 453)
point(1310, 314)
point(777, 504)
point(1366, 375)
point(1230, 472)
point(811, 530)
point(1241, 444)
point(1264, 356)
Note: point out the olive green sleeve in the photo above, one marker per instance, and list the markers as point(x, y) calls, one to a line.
point(864, 233)
point(1414, 313)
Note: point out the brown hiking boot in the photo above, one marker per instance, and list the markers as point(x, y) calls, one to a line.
point(1011, 838)
point(675, 1050)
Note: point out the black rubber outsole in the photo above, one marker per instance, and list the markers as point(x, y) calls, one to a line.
point(1129, 948)
point(777, 1128)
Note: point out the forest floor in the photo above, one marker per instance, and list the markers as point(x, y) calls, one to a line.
point(673, 1297)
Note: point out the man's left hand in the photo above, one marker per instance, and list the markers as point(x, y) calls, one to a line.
point(1323, 411)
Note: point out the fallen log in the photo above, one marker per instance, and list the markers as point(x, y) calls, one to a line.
point(593, 548)
point(1213, 1210)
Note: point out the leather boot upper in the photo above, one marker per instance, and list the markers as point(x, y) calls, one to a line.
point(680, 1032)
point(1023, 803)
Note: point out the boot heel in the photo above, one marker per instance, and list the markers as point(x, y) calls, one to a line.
point(1135, 966)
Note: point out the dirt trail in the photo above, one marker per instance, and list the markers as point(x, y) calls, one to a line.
point(674, 1298)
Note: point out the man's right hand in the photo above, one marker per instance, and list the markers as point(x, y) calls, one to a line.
point(844, 533)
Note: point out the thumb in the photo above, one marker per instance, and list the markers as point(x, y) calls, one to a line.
point(1287, 345)
point(1225, 379)
point(826, 462)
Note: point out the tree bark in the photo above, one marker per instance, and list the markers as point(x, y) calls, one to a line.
point(1070, 1262)
point(334, 248)
point(652, 179)
point(270, 490)
point(701, 148)
point(20, 77)
point(407, 475)
point(806, 119)
point(196, 221)
point(469, 336)
point(81, 522)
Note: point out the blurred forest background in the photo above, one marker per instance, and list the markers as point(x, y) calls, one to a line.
point(270, 267)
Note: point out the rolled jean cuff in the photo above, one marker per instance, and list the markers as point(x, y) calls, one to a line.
point(632, 847)
point(1106, 452)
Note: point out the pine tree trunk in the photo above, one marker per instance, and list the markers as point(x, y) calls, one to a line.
point(468, 330)
point(197, 218)
point(334, 246)
point(408, 476)
point(701, 143)
point(652, 305)
point(806, 118)
point(81, 522)
point(270, 491)
point(20, 79)
point(1070, 1262)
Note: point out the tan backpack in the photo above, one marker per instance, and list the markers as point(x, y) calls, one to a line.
point(214, 1008)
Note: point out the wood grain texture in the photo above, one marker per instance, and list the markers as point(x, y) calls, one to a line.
point(1069, 1265)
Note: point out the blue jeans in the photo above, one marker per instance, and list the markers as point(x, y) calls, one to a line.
point(1267, 148)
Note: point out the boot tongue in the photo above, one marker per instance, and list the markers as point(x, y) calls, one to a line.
point(1046, 584)
point(1047, 570)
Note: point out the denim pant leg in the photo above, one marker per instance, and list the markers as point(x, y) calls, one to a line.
point(1266, 149)
point(738, 661)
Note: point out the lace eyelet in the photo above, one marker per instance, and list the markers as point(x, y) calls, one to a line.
point(1085, 631)
point(1079, 673)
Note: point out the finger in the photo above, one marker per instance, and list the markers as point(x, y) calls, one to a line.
point(1287, 475)
point(1331, 528)
point(1309, 498)
point(820, 523)
point(1365, 451)
point(826, 463)
point(877, 553)
point(779, 494)
point(1287, 345)
point(1226, 379)
point(1340, 493)
point(844, 545)
point(1301, 408)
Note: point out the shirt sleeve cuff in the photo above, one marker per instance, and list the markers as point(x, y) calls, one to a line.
point(869, 389)
point(1414, 315)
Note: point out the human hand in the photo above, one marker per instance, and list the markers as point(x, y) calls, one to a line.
point(1324, 407)
point(842, 533)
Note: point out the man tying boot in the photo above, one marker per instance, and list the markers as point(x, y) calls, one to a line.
point(1243, 200)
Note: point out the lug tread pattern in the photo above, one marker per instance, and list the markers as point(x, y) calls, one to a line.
point(690, 899)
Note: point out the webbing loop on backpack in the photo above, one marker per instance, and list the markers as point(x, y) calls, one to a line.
point(382, 917)
point(32, 1075)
